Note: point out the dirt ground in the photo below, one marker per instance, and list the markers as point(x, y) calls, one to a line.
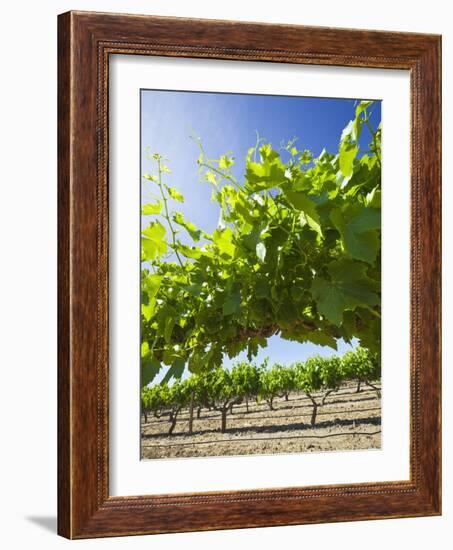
point(347, 421)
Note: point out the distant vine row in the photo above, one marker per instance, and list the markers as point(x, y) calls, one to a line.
point(221, 389)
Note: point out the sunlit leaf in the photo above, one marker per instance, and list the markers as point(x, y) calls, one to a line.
point(152, 208)
point(175, 194)
point(225, 162)
point(188, 226)
point(211, 177)
point(348, 152)
point(153, 241)
point(223, 239)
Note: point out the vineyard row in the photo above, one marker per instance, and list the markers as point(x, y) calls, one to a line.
point(222, 389)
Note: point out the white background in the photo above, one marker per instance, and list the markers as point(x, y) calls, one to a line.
point(28, 274)
point(129, 476)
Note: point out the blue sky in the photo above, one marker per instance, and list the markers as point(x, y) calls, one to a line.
point(228, 123)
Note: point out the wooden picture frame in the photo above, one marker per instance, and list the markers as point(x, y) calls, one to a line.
point(85, 42)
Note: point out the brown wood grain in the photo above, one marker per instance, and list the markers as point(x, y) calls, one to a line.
point(85, 42)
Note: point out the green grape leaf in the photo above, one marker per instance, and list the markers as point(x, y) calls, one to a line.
point(348, 152)
point(373, 198)
point(195, 363)
point(175, 194)
point(194, 289)
point(175, 371)
point(168, 328)
point(365, 219)
point(223, 239)
point(225, 162)
point(266, 175)
point(151, 284)
point(232, 302)
point(362, 106)
point(150, 367)
point(192, 252)
point(211, 177)
point(359, 242)
point(152, 208)
point(153, 241)
point(144, 349)
point(150, 288)
point(149, 177)
point(148, 309)
point(348, 288)
point(188, 226)
point(330, 300)
point(321, 338)
point(301, 201)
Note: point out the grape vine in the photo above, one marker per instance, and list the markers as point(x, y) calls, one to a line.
point(296, 253)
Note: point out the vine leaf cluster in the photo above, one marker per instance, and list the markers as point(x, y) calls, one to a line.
point(296, 253)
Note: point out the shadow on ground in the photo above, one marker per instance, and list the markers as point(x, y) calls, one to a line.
point(373, 420)
point(49, 523)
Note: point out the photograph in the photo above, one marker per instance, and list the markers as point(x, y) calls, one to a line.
point(248, 336)
point(260, 274)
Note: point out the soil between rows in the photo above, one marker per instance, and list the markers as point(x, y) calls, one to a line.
point(347, 421)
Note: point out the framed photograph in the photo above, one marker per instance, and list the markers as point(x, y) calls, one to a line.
point(249, 275)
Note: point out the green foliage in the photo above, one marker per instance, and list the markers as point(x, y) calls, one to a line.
point(308, 375)
point(154, 244)
point(179, 219)
point(245, 378)
point(361, 365)
point(220, 386)
point(332, 375)
point(165, 400)
point(152, 208)
point(320, 374)
point(349, 287)
point(276, 381)
point(175, 194)
point(296, 253)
